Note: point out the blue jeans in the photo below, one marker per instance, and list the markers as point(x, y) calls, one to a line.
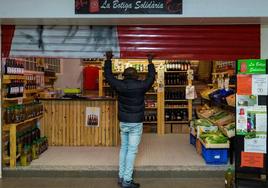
point(130, 139)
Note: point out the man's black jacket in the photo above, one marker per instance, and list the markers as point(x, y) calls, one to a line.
point(130, 93)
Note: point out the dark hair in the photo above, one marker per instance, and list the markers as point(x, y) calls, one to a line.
point(130, 72)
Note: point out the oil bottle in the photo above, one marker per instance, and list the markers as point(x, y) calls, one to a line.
point(229, 178)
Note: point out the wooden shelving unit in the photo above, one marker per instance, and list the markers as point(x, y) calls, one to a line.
point(187, 104)
point(160, 95)
point(6, 127)
point(10, 130)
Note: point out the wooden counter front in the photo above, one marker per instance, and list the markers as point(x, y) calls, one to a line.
point(64, 122)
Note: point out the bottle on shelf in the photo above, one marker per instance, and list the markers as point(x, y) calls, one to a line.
point(175, 95)
point(176, 115)
point(176, 79)
point(150, 117)
point(177, 66)
point(14, 66)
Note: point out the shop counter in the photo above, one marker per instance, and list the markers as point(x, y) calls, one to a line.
point(80, 121)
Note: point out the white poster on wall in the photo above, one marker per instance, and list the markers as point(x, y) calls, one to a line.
point(256, 145)
point(259, 84)
point(92, 117)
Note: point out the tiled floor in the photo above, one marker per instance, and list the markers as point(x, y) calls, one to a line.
point(171, 151)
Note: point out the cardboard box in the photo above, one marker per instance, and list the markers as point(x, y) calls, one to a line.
point(185, 129)
point(167, 128)
point(176, 128)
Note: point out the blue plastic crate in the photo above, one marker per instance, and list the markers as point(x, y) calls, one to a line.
point(192, 140)
point(215, 156)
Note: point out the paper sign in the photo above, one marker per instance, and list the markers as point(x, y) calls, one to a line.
point(246, 100)
point(244, 84)
point(261, 122)
point(190, 92)
point(252, 160)
point(259, 84)
point(241, 121)
point(20, 100)
point(257, 145)
point(92, 117)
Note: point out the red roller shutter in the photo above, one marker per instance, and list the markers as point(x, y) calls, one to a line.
point(199, 42)
point(7, 36)
point(195, 42)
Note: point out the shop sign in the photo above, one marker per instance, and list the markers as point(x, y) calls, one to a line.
point(252, 66)
point(128, 6)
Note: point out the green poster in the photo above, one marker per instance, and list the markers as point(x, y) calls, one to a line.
point(251, 66)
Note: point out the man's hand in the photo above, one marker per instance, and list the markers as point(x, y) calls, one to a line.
point(150, 58)
point(109, 55)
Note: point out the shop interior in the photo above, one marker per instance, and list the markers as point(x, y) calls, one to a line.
point(183, 125)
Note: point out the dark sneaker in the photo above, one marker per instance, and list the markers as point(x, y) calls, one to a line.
point(119, 181)
point(130, 184)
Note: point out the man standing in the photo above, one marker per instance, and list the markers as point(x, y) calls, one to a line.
point(131, 92)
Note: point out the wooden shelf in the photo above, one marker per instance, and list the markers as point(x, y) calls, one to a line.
point(179, 107)
point(151, 108)
point(6, 127)
point(175, 85)
point(123, 72)
point(51, 77)
point(175, 71)
point(7, 78)
point(178, 122)
point(28, 91)
point(14, 77)
point(178, 100)
point(18, 98)
point(150, 122)
point(29, 72)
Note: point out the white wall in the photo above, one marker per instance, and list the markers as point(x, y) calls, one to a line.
point(264, 41)
point(71, 76)
point(191, 8)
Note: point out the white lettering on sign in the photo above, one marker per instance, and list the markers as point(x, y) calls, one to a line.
point(106, 5)
point(150, 4)
point(122, 5)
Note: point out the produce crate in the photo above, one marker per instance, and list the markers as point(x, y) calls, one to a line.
point(215, 156)
point(215, 146)
point(193, 140)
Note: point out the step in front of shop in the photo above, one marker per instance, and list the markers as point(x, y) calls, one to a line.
point(112, 172)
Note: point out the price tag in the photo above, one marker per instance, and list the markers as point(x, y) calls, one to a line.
point(20, 100)
point(190, 77)
point(190, 71)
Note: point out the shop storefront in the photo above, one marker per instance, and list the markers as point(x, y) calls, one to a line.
point(179, 44)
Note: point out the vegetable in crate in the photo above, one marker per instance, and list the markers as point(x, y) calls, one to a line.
point(218, 115)
point(230, 126)
point(202, 122)
point(214, 138)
